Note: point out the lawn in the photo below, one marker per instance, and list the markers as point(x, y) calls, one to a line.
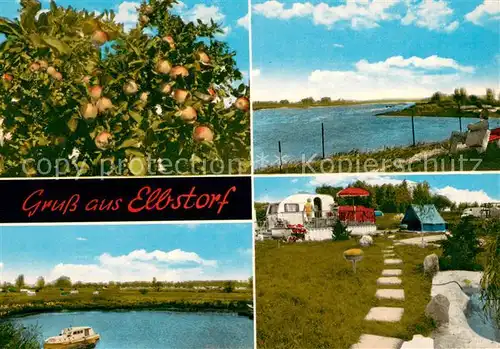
point(308, 296)
point(389, 221)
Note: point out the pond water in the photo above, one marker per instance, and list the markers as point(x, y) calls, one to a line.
point(346, 128)
point(152, 329)
point(482, 323)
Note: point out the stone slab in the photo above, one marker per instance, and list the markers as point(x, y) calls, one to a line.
point(386, 314)
point(392, 261)
point(392, 272)
point(369, 341)
point(387, 293)
point(391, 280)
point(389, 255)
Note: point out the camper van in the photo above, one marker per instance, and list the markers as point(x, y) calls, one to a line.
point(482, 212)
point(290, 211)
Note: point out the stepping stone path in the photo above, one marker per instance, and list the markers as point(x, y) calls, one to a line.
point(388, 314)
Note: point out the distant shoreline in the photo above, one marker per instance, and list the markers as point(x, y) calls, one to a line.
point(234, 307)
point(266, 105)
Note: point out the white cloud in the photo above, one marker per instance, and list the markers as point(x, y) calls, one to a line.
point(268, 198)
point(1, 266)
point(489, 10)
point(201, 12)
point(140, 265)
point(255, 73)
point(81, 239)
point(127, 14)
point(431, 14)
point(430, 63)
point(394, 78)
point(358, 13)
point(244, 22)
point(338, 45)
point(464, 195)
point(365, 14)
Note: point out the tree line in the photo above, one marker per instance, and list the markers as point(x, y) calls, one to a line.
point(460, 98)
point(395, 198)
point(64, 282)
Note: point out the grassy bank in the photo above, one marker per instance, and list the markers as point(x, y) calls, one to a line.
point(429, 157)
point(50, 300)
point(308, 296)
point(432, 109)
point(300, 105)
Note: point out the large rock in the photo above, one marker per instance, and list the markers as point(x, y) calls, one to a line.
point(419, 342)
point(438, 309)
point(366, 241)
point(431, 264)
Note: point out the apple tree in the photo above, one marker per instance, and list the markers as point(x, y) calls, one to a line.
point(91, 98)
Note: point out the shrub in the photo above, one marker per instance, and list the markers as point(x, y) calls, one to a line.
point(228, 287)
point(461, 248)
point(16, 336)
point(143, 291)
point(491, 278)
point(76, 86)
point(340, 232)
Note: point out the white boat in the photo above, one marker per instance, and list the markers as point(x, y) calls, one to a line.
point(73, 338)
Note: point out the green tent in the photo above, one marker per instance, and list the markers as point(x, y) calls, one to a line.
point(424, 218)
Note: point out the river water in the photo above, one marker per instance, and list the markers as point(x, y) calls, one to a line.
point(346, 128)
point(153, 329)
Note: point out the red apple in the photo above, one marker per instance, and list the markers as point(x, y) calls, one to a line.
point(163, 67)
point(203, 134)
point(104, 104)
point(95, 92)
point(242, 103)
point(89, 111)
point(189, 115)
point(130, 88)
point(100, 37)
point(166, 89)
point(51, 71)
point(7, 77)
point(204, 58)
point(144, 97)
point(180, 95)
point(170, 41)
point(179, 71)
point(103, 139)
point(34, 67)
point(43, 64)
point(57, 76)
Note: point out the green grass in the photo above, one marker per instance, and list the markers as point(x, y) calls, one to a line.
point(388, 221)
point(50, 299)
point(385, 161)
point(308, 296)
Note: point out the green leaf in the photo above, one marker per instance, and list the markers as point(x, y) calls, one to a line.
point(57, 45)
point(129, 143)
point(136, 116)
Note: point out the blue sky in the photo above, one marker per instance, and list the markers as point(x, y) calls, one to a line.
point(229, 13)
point(103, 253)
point(367, 49)
point(457, 187)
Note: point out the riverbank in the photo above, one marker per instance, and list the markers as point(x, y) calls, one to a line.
point(299, 105)
point(433, 110)
point(427, 157)
point(18, 305)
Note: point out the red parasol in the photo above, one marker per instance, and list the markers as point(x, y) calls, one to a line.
point(353, 192)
